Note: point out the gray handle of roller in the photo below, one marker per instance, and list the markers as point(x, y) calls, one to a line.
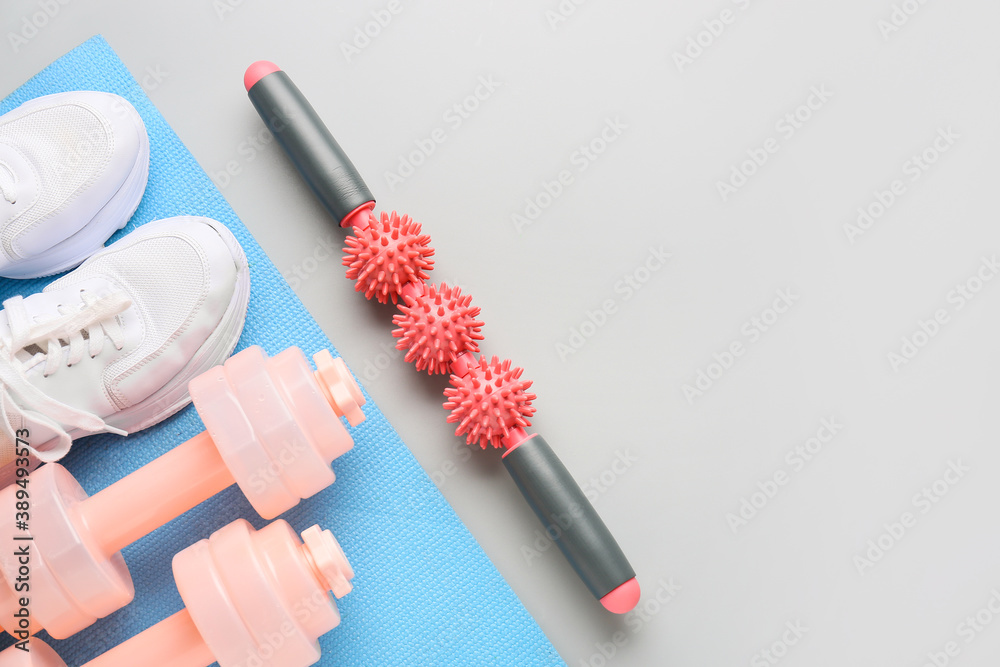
point(309, 144)
point(568, 516)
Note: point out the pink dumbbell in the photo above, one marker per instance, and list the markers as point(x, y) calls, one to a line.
point(272, 427)
point(252, 599)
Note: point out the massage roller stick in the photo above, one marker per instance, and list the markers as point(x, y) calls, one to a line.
point(389, 259)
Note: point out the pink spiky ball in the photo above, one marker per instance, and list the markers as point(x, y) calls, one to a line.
point(436, 327)
point(386, 255)
point(489, 401)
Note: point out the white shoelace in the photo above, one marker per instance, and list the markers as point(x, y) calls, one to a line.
point(85, 329)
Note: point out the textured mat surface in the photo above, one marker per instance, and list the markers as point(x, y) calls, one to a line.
point(425, 593)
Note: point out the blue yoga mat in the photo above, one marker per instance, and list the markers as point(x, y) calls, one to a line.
point(424, 592)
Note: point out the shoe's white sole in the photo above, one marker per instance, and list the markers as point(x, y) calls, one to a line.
point(71, 252)
point(174, 394)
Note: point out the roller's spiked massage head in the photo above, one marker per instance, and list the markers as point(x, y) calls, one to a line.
point(489, 401)
point(385, 255)
point(436, 327)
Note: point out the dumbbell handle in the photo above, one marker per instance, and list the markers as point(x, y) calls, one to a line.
point(155, 494)
point(173, 642)
point(195, 471)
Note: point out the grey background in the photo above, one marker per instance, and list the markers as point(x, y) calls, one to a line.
point(668, 470)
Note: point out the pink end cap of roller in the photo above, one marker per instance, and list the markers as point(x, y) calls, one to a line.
point(622, 599)
point(258, 71)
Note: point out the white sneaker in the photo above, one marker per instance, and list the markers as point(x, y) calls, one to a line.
point(112, 345)
point(73, 167)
